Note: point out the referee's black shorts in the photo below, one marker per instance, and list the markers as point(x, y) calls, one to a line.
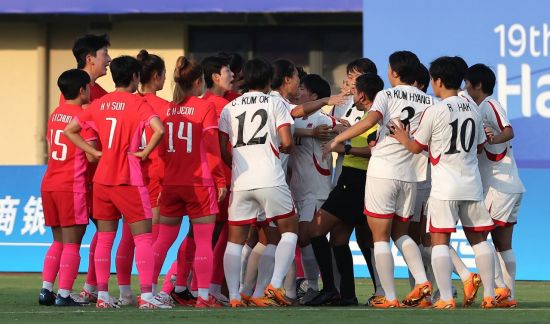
point(346, 200)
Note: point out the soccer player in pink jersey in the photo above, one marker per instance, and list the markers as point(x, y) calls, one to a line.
point(119, 189)
point(194, 182)
point(64, 192)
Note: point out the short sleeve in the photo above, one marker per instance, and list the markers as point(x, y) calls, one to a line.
point(88, 134)
point(496, 116)
point(423, 133)
point(380, 103)
point(282, 115)
point(481, 136)
point(146, 112)
point(224, 124)
point(210, 119)
point(84, 119)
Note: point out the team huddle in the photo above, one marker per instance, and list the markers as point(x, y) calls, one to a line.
point(245, 150)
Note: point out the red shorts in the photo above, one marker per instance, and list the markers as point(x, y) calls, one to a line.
point(154, 189)
point(178, 201)
point(111, 202)
point(63, 208)
point(223, 215)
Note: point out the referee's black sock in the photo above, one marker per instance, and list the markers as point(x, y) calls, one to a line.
point(321, 248)
point(344, 261)
point(365, 250)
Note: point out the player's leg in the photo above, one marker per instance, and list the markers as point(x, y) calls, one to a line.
point(123, 265)
point(307, 255)
point(69, 263)
point(168, 230)
point(252, 265)
point(106, 232)
point(344, 261)
point(89, 291)
point(219, 242)
point(251, 243)
point(266, 263)
point(363, 236)
point(53, 255)
point(186, 256)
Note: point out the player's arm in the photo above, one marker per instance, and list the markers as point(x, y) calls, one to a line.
point(89, 157)
point(402, 136)
point(359, 128)
point(214, 160)
point(312, 106)
point(72, 132)
point(223, 138)
point(158, 132)
point(506, 135)
point(355, 151)
point(286, 138)
point(322, 132)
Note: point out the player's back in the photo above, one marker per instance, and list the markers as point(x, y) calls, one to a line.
point(219, 102)
point(252, 122)
point(390, 159)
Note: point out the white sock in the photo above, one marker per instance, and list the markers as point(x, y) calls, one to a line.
point(89, 288)
point(485, 263)
point(443, 269)
point(214, 289)
point(290, 281)
point(103, 295)
point(459, 266)
point(251, 272)
point(385, 267)
point(203, 293)
point(311, 269)
point(125, 290)
point(507, 261)
point(426, 252)
point(407, 246)
point(284, 255)
point(147, 296)
point(64, 293)
point(179, 289)
point(232, 268)
point(47, 285)
point(379, 291)
point(335, 272)
point(195, 293)
point(244, 261)
point(266, 264)
point(499, 280)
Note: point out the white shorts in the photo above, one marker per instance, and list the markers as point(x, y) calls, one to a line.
point(389, 198)
point(444, 214)
point(307, 208)
point(420, 202)
point(244, 206)
point(503, 207)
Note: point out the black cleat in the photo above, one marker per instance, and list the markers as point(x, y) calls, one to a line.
point(301, 287)
point(46, 297)
point(184, 298)
point(67, 301)
point(324, 297)
point(348, 302)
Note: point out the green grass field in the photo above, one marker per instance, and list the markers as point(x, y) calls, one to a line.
point(19, 303)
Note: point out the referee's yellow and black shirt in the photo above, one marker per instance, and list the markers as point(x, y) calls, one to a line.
point(362, 140)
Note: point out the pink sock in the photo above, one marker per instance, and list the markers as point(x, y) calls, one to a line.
point(125, 256)
point(167, 285)
point(298, 261)
point(167, 236)
point(203, 254)
point(194, 281)
point(90, 276)
point(68, 267)
point(102, 259)
point(51, 262)
point(217, 255)
point(144, 261)
point(155, 232)
point(186, 255)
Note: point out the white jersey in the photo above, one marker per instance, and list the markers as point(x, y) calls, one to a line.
point(453, 129)
point(497, 164)
point(310, 173)
point(252, 122)
point(421, 164)
point(390, 159)
point(348, 111)
point(289, 106)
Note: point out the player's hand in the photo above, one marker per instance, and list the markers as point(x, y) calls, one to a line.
point(337, 99)
point(222, 192)
point(345, 122)
point(328, 148)
point(140, 154)
point(323, 133)
point(285, 150)
point(339, 128)
point(397, 131)
point(490, 134)
point(96, 155)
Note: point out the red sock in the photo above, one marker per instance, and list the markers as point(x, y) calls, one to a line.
point(144, 261)
point(298, 261)
point(68, 267)
point(203, 254)
point(217, 255)
point(167, 236)
point(125, 256)
point(102, 259)
point(167, 285)
point(51, 262)
point(186, 255)
point(155, 232)
point(90, 276)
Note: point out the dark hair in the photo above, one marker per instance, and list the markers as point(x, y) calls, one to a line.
point(211, 65)
point(448, 70)
point(405, 64)
point(314, 83)
point(150, 63)
point(362, 65)
point(88, 45)
point(185, 74)
point(70, 82)
point(369, 84)
point(235, 61)
point(423, 77)
point(481, 73)
point(123, 69)
point(257, 74)
point(461, 64)
point(282, 69)
point(301, 72)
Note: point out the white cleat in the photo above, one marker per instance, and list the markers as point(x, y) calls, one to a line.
point(165, 299)
point(221, 298)
point(152, 303)
point(127, 301)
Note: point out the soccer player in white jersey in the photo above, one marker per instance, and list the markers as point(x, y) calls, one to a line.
point(258, 127)
point(453, 132)
point(391, 178)
point(502, 185)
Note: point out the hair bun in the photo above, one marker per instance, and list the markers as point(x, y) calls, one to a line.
point(142, 55)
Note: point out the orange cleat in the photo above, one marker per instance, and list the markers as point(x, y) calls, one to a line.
point(507, 303)
point(488, 302)
point(278, 295)
point(384, 303)
point(425, 303)
point(245, 299)
point(262, 302)
point(211, 302)
point(440, 304)
point(235, 303)
point(502, 294)
point(471, 286)
point(418, 293)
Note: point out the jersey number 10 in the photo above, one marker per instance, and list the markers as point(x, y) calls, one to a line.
point(463, 129)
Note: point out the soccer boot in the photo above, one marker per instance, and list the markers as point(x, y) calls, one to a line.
point(67, 301)
point(440, 304)
point(385, 303)
point(127, 300)
point(324, 297)
point(501, 294)
point(235, 303)
point(426, 303)
point(301, 287)
point(46, 297)
point(211, 302)
point(308, 296)
point(507, 303)
point(471, 286)
point(106, 303)
point(278, 295)
point(165, 298)
point(348, 302)
point(418, 293)
point(488, 302)
point(184, 298)
point(152, 303)
point(90, 297)
point(372, 299)
point(262, 302)
point(222, 300)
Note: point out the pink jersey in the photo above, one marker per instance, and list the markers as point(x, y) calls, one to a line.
point(190, 149)
point(67, 164)
point(119, 118)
